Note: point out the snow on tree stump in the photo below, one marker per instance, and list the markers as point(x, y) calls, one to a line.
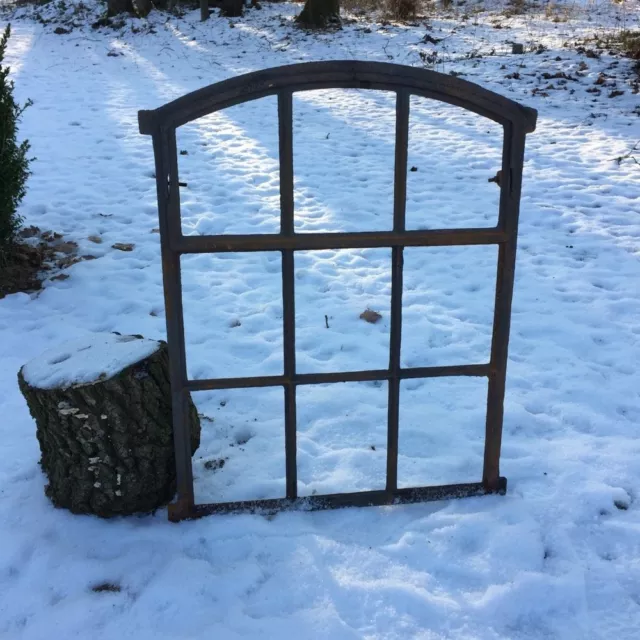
point(102, 407)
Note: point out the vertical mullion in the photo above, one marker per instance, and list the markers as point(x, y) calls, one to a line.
point(400, 169)
point(164, 146)
point(512, 161)
point(285, 129)
point(399, 208)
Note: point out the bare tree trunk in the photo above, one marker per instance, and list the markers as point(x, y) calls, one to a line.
point(204, 10)
point(142, 7)
point(232, 8)
point(107, 446)
point(320, 14)
point(114, 7)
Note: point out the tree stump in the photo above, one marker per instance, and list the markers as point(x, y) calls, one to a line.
point(320, 14)
point(102, 407)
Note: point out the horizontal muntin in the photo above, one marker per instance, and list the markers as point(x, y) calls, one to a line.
point(322, 241)
point(337, 376)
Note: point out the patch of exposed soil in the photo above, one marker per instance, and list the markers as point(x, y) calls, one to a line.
point(34, 257)
point(21, 269)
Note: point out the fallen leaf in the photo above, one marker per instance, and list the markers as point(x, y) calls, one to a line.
point(29, 232)
point(106, 586)
point(123, 246)
point(560, 75)
point(50, 236)
point(67, 262)
point(370, 316)
point(66, 247)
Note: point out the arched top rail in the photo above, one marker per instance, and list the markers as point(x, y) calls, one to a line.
point(341, 74)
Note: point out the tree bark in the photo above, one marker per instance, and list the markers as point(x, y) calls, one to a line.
point(114, 7)
point(107, 446)
point(204, 10)
point(232, 8)
point(320, 14)
point(142, 7)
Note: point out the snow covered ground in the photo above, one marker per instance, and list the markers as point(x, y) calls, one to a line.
point(558, 557)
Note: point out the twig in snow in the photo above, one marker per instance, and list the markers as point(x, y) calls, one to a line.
point(629, 155)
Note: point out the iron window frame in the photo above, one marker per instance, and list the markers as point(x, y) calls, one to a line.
point(161, 124)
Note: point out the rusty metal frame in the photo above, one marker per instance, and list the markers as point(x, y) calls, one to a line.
point(161, 124)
